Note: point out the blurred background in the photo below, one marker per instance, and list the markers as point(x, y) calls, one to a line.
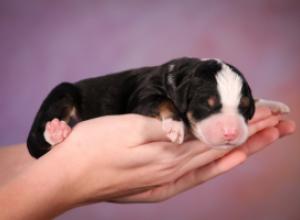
point(43, 43)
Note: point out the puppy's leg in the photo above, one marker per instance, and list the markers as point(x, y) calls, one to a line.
point(171, 123)
point(61, 104)
point(275, 106)
point(56, 131)
point(164, 110)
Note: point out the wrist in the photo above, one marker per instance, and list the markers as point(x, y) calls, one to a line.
point(79, 184)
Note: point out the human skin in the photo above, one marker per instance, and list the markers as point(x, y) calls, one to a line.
point(121, 159)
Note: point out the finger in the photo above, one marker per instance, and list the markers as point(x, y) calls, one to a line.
point(286, 127)
point(270, 121)
point(201, 159)
point(168, 155)
point(142, 129)
point(259, 141)
point(189, 180)
point(131, 129)
point(226, 163)
point(255, 143)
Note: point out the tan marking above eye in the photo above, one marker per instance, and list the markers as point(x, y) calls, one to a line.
point(245, 101)
point(191, 119)
point(212, 101)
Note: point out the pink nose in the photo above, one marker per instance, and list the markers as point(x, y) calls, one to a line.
point(230, 134)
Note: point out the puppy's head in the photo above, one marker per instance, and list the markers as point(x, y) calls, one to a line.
point(218, 103)
point(221, 104)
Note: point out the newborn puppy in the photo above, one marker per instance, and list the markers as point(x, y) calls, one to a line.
point(207, 97)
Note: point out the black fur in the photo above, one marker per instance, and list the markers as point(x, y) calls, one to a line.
point(134, 91)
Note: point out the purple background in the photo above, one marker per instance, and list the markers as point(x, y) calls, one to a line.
point(43, 43)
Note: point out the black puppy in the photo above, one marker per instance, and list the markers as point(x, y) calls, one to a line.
point(207, 96)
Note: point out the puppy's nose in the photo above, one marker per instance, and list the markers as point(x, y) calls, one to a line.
point(230, 134)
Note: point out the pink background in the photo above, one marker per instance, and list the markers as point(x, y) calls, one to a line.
point(43, 43)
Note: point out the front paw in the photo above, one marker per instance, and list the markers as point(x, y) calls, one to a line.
point(276, 107)
point(175, 130)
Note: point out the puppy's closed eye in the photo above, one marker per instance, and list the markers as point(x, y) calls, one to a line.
point(245, 102)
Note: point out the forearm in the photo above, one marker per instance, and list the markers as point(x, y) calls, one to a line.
point(13, 160)
point(41, 191)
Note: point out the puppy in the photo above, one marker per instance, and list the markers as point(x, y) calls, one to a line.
point(208, 97)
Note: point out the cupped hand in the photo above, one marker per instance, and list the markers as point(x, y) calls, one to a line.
point(265, 128)
point(128, 158)
point(113, 156)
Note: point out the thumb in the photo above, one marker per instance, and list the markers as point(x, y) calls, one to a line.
point(127, 129)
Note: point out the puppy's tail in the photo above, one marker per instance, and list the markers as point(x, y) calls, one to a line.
point(61, 103)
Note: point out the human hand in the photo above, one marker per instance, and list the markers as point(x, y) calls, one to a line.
point(265, 128)
point(141, 166)
point(99, 161)
point(115, 156)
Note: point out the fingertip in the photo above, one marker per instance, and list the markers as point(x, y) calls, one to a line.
point(286, 127)
point(293, 126)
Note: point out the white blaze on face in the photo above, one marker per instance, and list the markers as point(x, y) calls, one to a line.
point(227, 128)
point(229, 86)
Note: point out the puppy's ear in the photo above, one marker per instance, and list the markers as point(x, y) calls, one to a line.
point(251, 109)
point(178, 82)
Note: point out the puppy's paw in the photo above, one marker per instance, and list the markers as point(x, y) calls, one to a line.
point(276, 107)
point(56, 131)
point(175, 130)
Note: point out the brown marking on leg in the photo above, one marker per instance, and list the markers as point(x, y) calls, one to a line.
point(166, 110)
point(171, 123)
